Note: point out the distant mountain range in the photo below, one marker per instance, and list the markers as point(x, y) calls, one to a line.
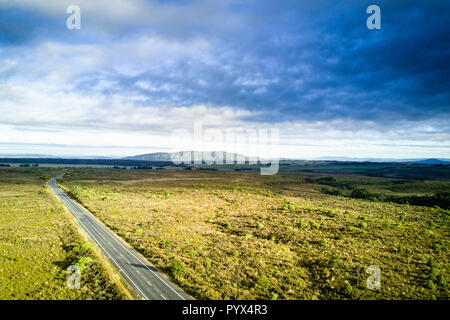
point(49, 156)
point(418, 161)
point(220, 156)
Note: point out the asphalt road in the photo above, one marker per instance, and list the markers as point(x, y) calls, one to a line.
point(147, 282)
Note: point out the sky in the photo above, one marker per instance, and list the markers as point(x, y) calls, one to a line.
point(137, 71)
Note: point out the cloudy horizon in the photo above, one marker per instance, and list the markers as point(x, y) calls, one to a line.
point(138, 70)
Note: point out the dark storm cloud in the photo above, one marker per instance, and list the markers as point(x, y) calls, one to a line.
point(287, 60)
point(18, 26)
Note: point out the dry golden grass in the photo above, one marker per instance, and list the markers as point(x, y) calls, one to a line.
point(227, 235)
point(38, 242)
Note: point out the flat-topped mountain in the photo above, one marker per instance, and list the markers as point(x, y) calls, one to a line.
point(218, 156)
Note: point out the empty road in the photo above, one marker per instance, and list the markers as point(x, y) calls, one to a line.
point(147, 282)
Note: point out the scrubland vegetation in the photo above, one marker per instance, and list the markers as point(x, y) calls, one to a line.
point(239, 235)
point(38, 242)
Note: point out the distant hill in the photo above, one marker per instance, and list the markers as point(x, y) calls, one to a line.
point(218, 156)
point(418, 161)
point(432, 161)
point(157, 156)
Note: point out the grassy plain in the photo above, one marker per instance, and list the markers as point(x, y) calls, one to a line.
point(38, 242)
point(239, 235)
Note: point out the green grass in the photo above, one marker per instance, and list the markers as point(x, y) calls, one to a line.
point(235, 235)
point(38, 242)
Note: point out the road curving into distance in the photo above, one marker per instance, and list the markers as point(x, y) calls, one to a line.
point(147, 282)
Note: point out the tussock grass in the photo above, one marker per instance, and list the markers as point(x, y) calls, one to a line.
point(38, 243)
point(229, 235)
